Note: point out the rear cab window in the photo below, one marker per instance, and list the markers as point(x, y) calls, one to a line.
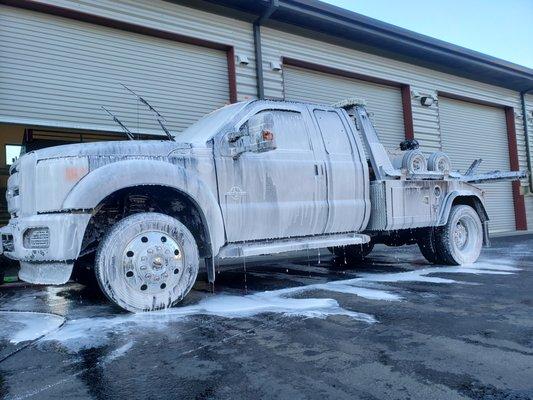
point(334, 133)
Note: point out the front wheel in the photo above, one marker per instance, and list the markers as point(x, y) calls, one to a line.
point(147, 261)
point(460, 240)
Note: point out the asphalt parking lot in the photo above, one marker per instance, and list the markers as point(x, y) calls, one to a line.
point(312, 328)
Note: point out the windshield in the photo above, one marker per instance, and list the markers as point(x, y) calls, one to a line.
point(206, 127)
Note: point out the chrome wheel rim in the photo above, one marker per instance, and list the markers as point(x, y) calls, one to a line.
point(466, 234)
point(152, 262)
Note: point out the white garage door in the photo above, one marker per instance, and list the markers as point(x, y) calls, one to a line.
point(384, 102)
point(472, 131)
point(59, 72)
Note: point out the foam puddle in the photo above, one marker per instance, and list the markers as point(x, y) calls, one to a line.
point(17, 327)
point(92, 332)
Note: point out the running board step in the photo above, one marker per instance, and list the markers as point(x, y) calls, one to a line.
point(238, 250)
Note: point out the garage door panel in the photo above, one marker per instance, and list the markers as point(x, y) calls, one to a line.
point(81, 67)
point(470, 131)
point(384, 102)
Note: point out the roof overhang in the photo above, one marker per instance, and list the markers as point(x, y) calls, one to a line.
point(348, 28)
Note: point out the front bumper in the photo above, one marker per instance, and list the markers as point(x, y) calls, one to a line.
point(52, 264)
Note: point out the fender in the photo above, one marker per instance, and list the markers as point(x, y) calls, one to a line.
point(100, 183)
point(474, 193)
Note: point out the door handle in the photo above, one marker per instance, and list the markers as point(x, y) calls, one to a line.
point(319, 169)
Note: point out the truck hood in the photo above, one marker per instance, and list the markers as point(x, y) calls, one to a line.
point(114, 148)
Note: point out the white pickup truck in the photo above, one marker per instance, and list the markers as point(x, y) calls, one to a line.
point(252, 178)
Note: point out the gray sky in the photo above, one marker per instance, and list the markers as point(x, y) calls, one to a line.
point(500, 28)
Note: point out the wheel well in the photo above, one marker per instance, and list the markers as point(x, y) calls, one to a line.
point(473, 202)
point(132, 200)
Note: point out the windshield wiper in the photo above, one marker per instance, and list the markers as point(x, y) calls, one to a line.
point(160, 119)
point(127, 132)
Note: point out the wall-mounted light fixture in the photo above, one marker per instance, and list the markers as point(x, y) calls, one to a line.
point(275, 65)
point(242, 59)
point(426, 100)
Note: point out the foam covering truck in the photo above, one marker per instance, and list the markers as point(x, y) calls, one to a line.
point(259, 177)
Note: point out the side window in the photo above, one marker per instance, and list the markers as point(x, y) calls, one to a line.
point(334, 132)
point(290, 131)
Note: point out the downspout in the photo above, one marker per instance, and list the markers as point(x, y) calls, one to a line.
point(274, 4)
point(526, 133)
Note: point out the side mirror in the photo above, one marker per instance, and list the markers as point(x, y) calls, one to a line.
point(256, 135)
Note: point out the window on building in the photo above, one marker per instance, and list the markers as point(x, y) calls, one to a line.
point(12, 153)
point(334, 132)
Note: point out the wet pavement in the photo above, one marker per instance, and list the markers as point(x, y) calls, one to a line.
point(392, 328)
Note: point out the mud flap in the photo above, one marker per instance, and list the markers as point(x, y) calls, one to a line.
point(486, 237)
point(210, 268)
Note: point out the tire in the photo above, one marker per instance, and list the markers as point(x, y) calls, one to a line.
point(439, 162)
point(354, 253)
point(459, 241)
point(147, 261)
point(427, 246)
point(414, 162)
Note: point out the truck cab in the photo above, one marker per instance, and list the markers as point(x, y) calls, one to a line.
point(312, 181)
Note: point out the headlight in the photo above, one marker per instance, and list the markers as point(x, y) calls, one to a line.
point(55, 178)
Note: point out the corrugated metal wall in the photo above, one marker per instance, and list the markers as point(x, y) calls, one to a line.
point(277, 44)
point(60, 72)
point(529, 198)
point(462, 126)
point(176, 18)
point(384, 102)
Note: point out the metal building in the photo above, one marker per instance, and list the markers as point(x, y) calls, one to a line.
point(61, 60)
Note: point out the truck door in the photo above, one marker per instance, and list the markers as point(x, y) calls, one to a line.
point(346, 173)
point(274, 194)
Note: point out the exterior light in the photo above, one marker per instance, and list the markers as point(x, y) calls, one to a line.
point(242, 60)
point(275, 65)
point(427, 101)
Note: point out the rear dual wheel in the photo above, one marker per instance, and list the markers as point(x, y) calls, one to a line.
point(147, 261)
point(456, 243)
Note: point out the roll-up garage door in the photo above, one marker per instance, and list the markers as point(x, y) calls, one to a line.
point(59, 72)
point(385, 102)
point(471, 131)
